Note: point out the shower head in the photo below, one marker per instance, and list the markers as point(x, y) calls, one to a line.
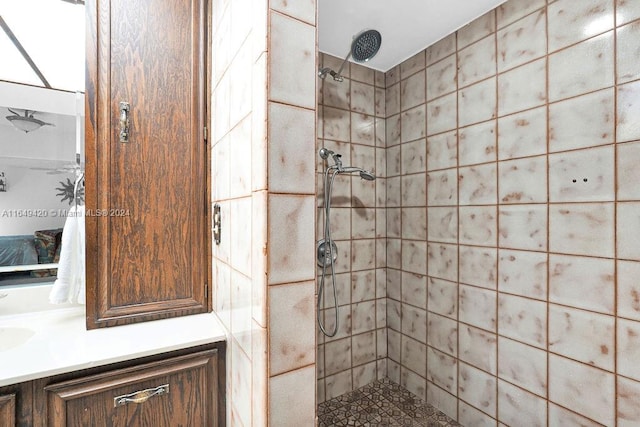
point(366, 175)
point(364, 46)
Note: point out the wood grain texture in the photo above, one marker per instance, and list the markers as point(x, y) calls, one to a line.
point(152, 261)
point(191, 401)
point(8, 410)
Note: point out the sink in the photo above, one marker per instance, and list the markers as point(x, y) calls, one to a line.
point(11, 337)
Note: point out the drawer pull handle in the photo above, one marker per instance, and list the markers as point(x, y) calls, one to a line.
point(140, 396)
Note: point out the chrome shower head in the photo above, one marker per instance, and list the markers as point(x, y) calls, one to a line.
point(364, 46)
point(366, 175)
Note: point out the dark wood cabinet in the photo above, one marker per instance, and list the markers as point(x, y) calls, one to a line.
point(147, 196)
point(8, 410)
point(182, 388)
point(177, 392)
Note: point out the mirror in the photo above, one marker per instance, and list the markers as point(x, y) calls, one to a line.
point(41, 133)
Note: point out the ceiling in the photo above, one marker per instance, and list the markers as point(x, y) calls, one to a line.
point(407, 26)
point(42, 43)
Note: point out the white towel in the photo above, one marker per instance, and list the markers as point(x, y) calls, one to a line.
point(70, 284)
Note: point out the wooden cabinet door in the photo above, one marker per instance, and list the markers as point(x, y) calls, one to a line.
point(8, 410)
point(146, 198)
point(177, 392)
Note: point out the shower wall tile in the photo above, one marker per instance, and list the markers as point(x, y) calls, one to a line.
point(582, 282)
point(293, 128)
point(442, 151)
point(362, 74)
point(392, 98)
point(443, 297)
point(523, 366)
point(628, 412)
point(441, 77)
point(477, 62)
point(628, 348)
point(582, 229)
point(478, 225)
point(412, 65)
point(470, 416)
point(478, 348)
point(582, 336)
point(594, 397)
point(478, 388)
point(478, 266)
point(628, 173)
point(595, 55)
point(523, 273)
point(592, 171)
point(584, 121)
point(515, 9)
point(478, 143)
point(442, 114)
point(414, 223)
point(442, 224)
point(477, 103)
point(518, 43)
point(412, 91)
point(441, 49)
point(413, 156)
point(516, 406)
point(442, 370)
point(291, 60)
point(478, 307)
point(629, 289)
point(414, 323)
point(412, 124)
point(628, 107)
point(442, 261)
point(292, 313)
point(414, 290)
point(523, 319)
point(523, 227)
point(570, 23)
point(627, 49)
point(362, 98)
point(477, 185)
point(523, 134)
point(363, 130)
point(560, 416)
point(442, 334)
point(442, 188)
point(523, 181)
point(522, 88)
point(477, 29)
point(531, 278)
point(626, 11)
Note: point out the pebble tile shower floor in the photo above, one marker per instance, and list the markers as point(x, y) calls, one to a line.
point(381, 403)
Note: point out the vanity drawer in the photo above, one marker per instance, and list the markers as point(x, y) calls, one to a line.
point(8, 409)
point(181, 391)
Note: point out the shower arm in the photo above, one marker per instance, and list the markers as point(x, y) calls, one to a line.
point(346, 58)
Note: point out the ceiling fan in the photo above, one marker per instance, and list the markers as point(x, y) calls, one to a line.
point(27, 122)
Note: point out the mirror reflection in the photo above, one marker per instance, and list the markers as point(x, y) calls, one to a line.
point(41, 134)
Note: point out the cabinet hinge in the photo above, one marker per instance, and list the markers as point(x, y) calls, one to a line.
point(206, 137)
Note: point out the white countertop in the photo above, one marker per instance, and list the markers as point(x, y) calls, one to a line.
point(51, 341)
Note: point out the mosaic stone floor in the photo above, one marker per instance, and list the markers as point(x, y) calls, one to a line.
point(381, 403)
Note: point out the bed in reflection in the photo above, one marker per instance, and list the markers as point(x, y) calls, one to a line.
point(43, 247)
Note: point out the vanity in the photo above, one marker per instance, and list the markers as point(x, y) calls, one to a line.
point(146, 349)
point(55, 372)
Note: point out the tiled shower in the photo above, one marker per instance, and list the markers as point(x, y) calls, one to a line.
point(493, 268)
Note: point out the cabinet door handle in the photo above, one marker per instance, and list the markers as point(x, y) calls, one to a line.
point(124, 121)
point(140, 396)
